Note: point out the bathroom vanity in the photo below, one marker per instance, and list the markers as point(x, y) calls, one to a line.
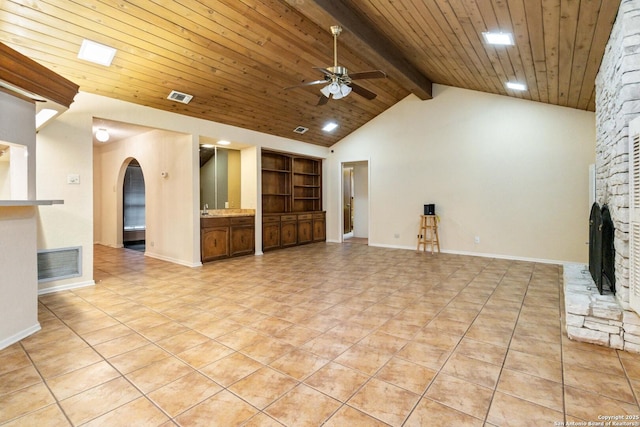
point(226, 233)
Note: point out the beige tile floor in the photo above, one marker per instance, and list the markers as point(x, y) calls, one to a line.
point(346, 335)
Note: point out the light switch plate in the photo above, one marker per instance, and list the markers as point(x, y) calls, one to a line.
point(73, 179)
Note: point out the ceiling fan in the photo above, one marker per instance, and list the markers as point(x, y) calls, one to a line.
point(339, 82)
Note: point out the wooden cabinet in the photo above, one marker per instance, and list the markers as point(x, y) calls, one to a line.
point(241, 241)
point(224, 237)
point(281, 231)
point(305, 228)
point(270, 232)
point(214, 238)
point(288, 230)
point(319, 227)
point(291, 200)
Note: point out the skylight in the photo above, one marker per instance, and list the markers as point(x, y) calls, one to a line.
point(330, 126)
point(503, 39)
point(96, 53)
point(516, 86)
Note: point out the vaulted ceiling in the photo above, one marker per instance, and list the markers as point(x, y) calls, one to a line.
point(236, 56)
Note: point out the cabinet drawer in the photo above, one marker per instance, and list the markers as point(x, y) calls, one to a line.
point(214, 222)
point(242, 220)
point(288, 217)
point(304, 216)
point(318, 215)
point(270, 218)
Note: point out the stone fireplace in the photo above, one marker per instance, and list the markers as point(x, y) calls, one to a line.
point(607, 319)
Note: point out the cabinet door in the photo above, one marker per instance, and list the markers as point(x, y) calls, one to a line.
point(289, 233)
point(242, 237)
point(215, 243)
point(305, 231)
point(319, 229)
point(270, 235)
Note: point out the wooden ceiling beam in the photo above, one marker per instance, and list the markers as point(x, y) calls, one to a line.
point(384, 50)
point(27, 75)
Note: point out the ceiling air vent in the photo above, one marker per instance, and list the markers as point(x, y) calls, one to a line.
point(300, 129)
point(180, 97)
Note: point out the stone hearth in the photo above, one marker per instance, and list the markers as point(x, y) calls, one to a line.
point(594, 318)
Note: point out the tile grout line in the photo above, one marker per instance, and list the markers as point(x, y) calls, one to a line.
point(122, 375)
point(423, 395)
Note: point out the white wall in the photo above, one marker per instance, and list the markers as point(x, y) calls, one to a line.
point(17, 126)
point(510, 171)
point(19, 171)
point(64, 148)
point(169, 224)
point(5, 179)
point(19, 276)
point(361, 199)
point(18, 262)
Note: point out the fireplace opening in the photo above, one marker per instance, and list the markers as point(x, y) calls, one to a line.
point(602, 252)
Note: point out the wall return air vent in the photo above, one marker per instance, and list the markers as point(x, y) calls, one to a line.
point(57, 264)
point(180, 97)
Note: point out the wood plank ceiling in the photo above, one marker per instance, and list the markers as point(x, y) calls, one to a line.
point(236, 56)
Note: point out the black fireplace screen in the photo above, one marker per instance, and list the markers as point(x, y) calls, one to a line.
point(601, 248)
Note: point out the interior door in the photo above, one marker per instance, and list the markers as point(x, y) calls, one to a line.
point(347, 199)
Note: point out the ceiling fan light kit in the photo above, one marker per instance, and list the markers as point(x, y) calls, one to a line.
point(340, 83)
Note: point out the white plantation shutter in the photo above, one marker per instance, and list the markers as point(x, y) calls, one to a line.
point(634, 215)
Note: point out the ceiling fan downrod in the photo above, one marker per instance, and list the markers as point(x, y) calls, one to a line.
point(336, 69)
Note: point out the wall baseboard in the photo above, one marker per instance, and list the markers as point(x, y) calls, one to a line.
point(173, 260)
point(66, 287)
point(478, 254)
point(19, 336)
point(508, 257)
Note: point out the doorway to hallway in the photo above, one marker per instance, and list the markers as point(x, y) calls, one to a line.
point(355, 202)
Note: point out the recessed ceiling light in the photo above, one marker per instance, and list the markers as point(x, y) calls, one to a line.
point(504, 39)
point(223, 142)
point(207, 146)
point(516, 86)
point(330, 126)
point(96, 53)
point(44, 115)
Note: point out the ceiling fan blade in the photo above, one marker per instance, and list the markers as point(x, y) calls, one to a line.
point(315, 82)
point(324, 71)
point(362, 91)
point(322, 100)
point(372, 74)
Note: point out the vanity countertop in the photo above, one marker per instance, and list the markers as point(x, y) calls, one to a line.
point(212, 213)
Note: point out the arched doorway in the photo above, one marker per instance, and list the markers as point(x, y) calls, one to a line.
point(133, 207)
